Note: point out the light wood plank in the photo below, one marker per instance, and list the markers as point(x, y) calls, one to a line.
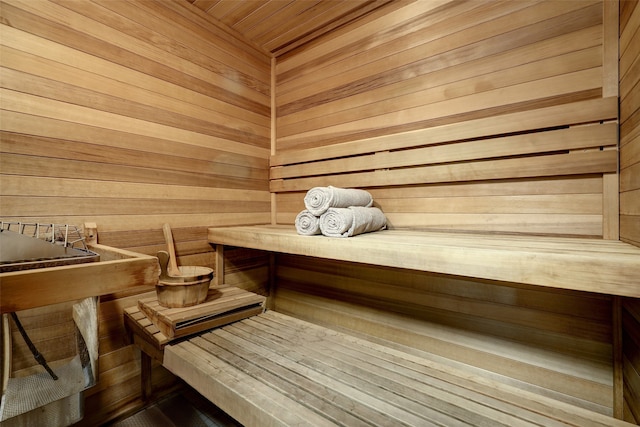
point(366, 64)
point(598, 271)
point(57, 54)
point(38, 186)
point(552, 165)
point(91, 84)
point(21, 290)
point(476, 105)
point(118, 37)
point(526, 367)
point(541, 142)
point(581, 112)
point(30, 104)
point(257, 405)
point(277, 352)
point(435, 84)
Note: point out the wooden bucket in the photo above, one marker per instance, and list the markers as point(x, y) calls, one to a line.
point(189, 289)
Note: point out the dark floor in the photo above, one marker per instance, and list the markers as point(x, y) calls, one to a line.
point(181, 409)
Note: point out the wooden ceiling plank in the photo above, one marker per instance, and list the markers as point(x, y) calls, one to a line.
point(260, 14)
point(203, 4)
point(243, 9)
point(261, 33)
point(222, 8)
point(304, 20)
point(337, 23)
point(317, 24)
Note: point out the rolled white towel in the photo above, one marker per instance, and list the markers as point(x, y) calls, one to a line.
point(307, 223)
point(319, 199)
point(351, 221)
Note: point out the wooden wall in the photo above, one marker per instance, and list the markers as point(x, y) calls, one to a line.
point(431, 66)
point(630, 194)
point(631, 359)
point(630, 122)
point(553, 342)
point(130, 115)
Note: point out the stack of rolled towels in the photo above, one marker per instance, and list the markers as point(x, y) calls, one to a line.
point(339, 212)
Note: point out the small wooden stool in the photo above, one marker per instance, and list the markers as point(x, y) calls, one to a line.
point(151, 326)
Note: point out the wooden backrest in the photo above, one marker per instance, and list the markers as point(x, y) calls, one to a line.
point(573, 144)
point(549, 141)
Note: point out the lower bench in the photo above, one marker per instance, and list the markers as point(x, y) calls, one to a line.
point(275, 370)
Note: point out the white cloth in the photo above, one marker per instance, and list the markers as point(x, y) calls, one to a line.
point(307, 223)
point(351, 221)
point(319, 199)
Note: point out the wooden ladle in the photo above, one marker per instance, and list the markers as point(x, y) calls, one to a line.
point(172, 268)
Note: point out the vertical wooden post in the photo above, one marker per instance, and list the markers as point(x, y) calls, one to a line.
point(618, 379)
point(274, 219)
point(610, 206)
point(610, 55)
point(145, 376)
point(272, 281)
point(610, 85)
point(611, 197)
point(218, 279)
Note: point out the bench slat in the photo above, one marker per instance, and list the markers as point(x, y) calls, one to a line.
point(287, 382)
point(333, 374)
point(244, 398)
point(561, 115)
point(341, 395)
point(593, 265)
point(574, 138)
point(273, 369)
point(548, 408)
point(577, 163)
point(365, 370)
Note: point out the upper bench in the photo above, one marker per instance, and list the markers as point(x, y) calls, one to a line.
point(593, 265)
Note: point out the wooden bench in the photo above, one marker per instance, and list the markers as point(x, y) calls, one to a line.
point(275, 370)
point(594, 265)
point(151, 326)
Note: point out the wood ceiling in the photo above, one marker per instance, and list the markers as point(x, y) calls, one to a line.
point(278, 26)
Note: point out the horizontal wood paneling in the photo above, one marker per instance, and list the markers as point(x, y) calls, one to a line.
point(432, 108)
point(485, 30)
point(631, 359)
point(415, 92)
point(552, 342)
point(544, 206)
point(630, 195)
point(630, 122)
point(130, 115)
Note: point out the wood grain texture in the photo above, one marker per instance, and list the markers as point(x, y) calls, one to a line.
point(133, 114)
point(362, 72)
point(629, 122)
point(424, 96)
point(279, 27)
point(130, 115)
point(630, 195)
point(255, 367)
point(117, 270)
point(593, 265)
point(542, 148)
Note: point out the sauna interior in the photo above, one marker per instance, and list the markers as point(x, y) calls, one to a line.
point(128, 115)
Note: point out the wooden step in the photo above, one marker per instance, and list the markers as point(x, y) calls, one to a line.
point(223, 305)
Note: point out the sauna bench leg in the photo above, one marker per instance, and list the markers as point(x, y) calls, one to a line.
point(145, 375)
